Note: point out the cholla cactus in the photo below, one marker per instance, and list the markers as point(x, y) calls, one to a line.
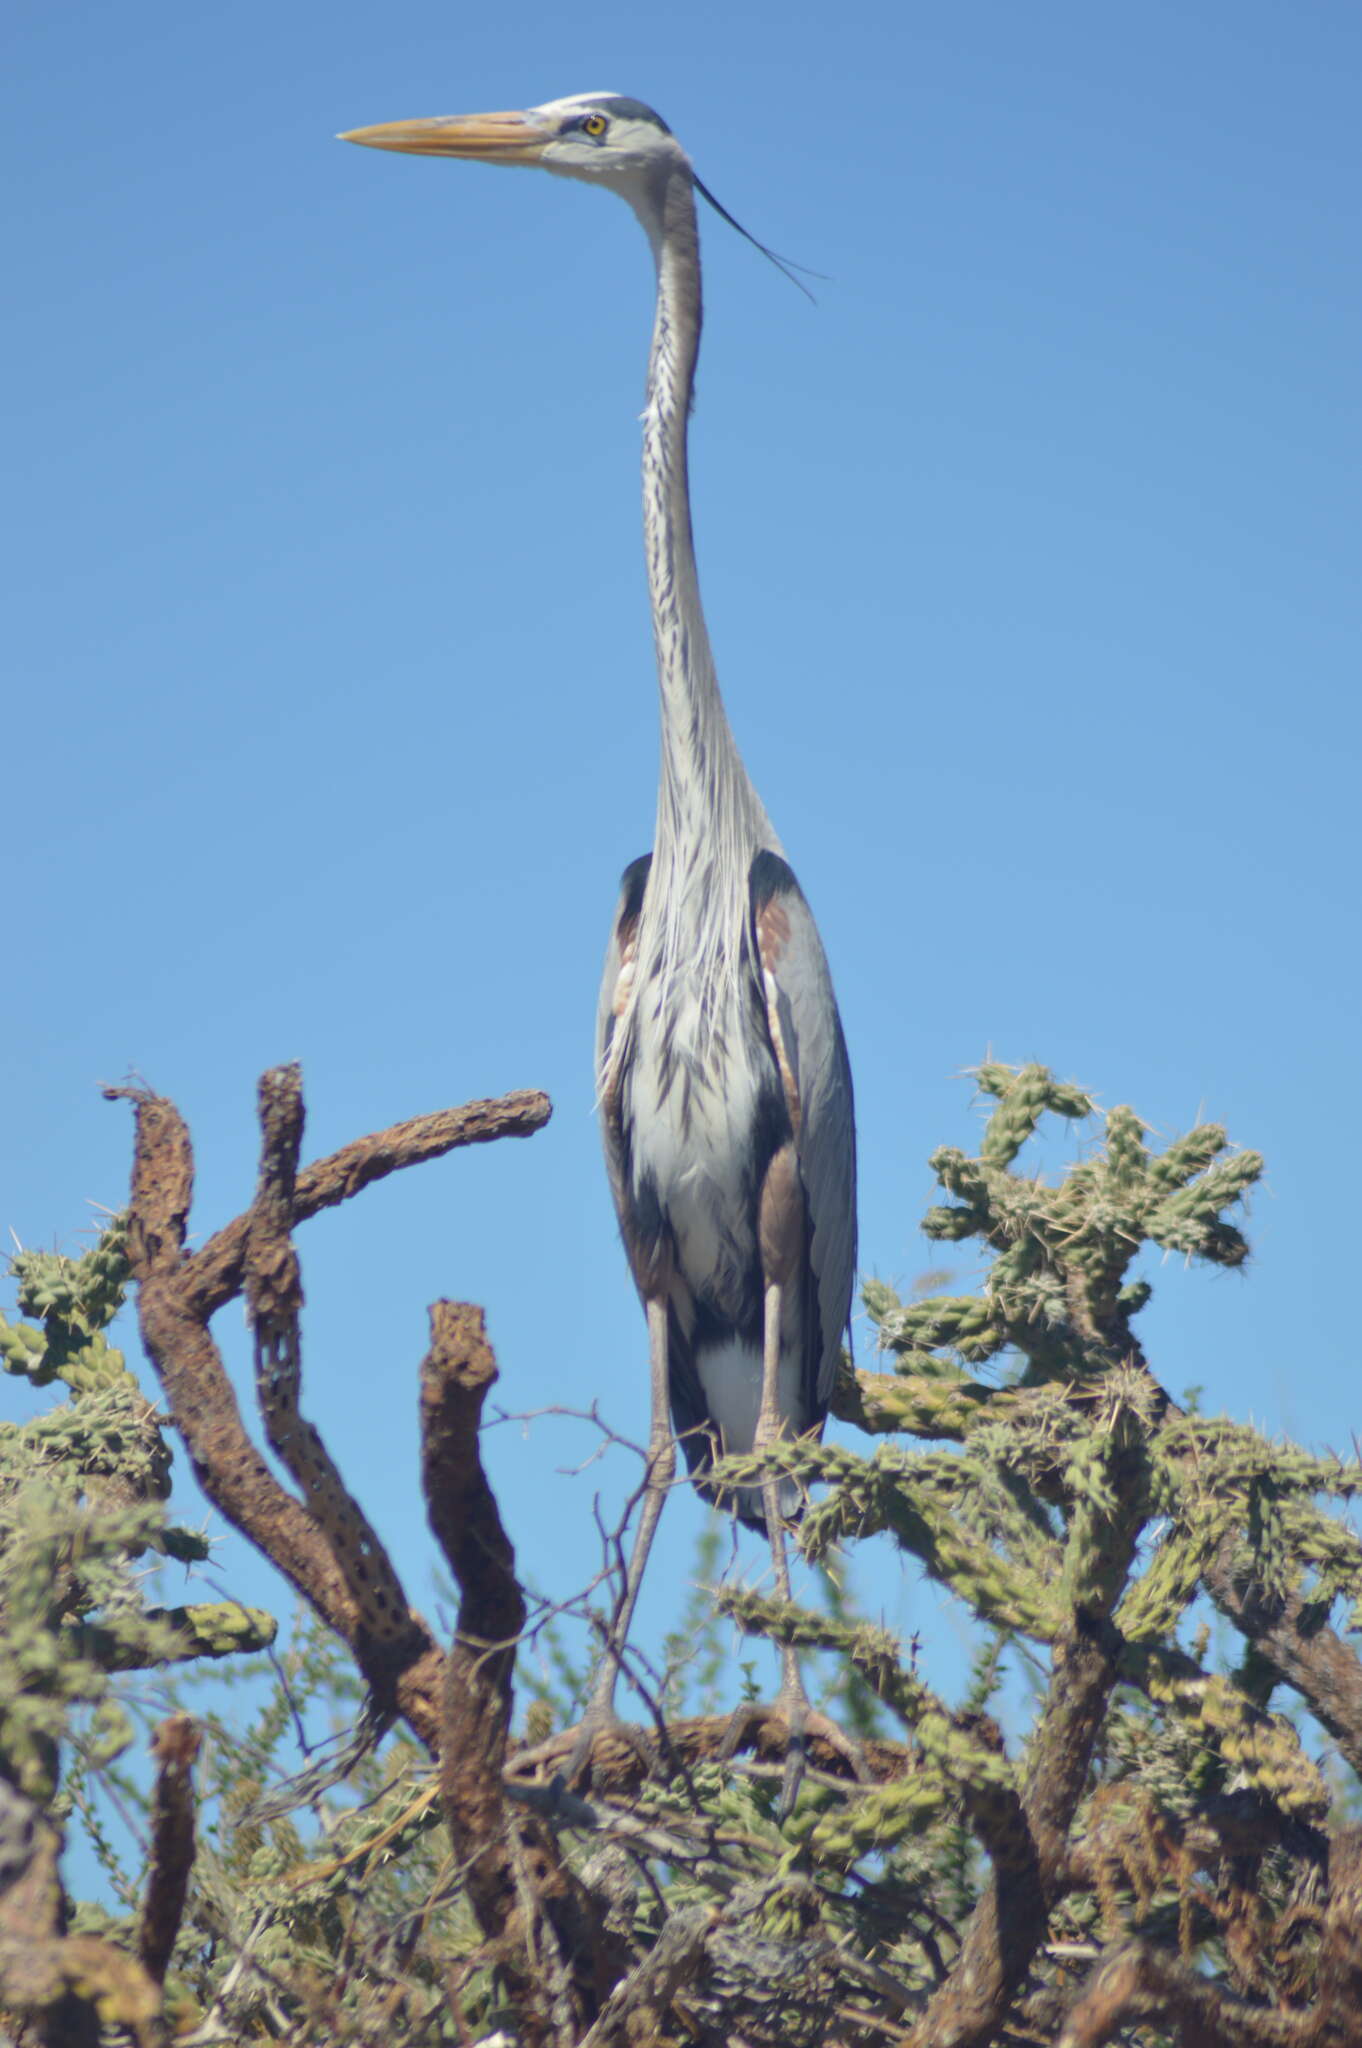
point(82, 1493)
point(1069, 1503)
point(76, 1300)
point(1148, 1855)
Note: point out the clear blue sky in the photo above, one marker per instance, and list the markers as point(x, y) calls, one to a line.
point(1030, 556)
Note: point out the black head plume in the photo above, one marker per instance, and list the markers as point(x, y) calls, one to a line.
point(782, 263)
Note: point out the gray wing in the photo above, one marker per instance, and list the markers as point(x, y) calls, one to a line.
point(806, 1036)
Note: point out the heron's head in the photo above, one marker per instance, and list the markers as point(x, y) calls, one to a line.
point(600, 136)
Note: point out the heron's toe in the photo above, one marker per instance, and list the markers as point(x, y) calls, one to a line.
point(601, 1753)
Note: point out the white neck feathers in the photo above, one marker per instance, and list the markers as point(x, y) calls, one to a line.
point(710, 821)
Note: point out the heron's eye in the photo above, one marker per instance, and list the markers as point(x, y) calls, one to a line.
point(595, 124)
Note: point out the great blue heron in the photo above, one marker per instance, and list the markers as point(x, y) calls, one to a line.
point(722, 1071)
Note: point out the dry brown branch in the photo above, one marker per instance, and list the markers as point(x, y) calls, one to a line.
point(619, 1767)
point(32, 1914)
point(527, 1902)
point(1137, 1982)
point(202, 1405)
point(179, 1291)
point(456, 1374)
point(214, 1273)
point(1231, 1825)
point(638, 2007)
point(62, 1983)
point(543, 1929)
point(69, 1984)
point(174, 1747)
point(1340, 1962)
point(274, 1298)
point(1295, 1639)
point(694, 1845)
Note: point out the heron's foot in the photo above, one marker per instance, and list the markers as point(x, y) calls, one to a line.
point(807, 1727)
point(746, 1728)
point(599, 1729)
point(803, 1727)
point(590, 1755)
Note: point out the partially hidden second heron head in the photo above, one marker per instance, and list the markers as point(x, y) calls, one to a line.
point(601, 136)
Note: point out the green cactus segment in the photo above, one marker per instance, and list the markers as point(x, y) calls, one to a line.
point(930, 1406)
point(82, 1503)
point(1057, 1296)
point(212, 1628)
point(1189, 1219)
point(959, 1515)
point(84, 1363)
point(75, 1300)
point(1155, 1603)
point(1186, 1157)
point(1221, 1482)
point(891, 1814)
point(1029, 1521)
point(1024, 1094)
point(64, 1557)
point(965, 1324)
point(952, 1765)
point(1238, 1744)
point(89, 1289)
point(1127, 1159)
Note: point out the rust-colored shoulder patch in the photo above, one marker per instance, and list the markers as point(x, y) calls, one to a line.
point(773, 936)
point(627, 935)
point(610, 1076)
point(773, 932)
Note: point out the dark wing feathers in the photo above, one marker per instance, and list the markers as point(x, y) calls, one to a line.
point(690, 1411)
point(806, 1035)
point(619, 952)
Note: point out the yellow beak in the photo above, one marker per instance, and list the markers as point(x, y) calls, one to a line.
point(481, 138)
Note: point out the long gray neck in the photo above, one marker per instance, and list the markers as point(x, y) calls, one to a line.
point(708, 814)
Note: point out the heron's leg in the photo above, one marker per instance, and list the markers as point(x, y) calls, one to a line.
point(769, 1432)
point(792, 1701)
point(660, 1471)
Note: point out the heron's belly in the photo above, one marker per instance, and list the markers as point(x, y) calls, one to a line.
point(705, 1113)
point(695, 1154)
